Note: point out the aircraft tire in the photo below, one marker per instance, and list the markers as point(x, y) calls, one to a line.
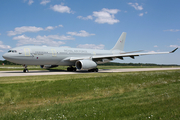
point(93, 70)
point(68, 69)
point(71, 69)
point(24, 70)
point(74, 69)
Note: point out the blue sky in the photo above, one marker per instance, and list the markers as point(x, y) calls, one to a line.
point(151, 25)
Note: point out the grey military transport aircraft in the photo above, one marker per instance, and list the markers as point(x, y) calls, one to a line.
point(82, 59)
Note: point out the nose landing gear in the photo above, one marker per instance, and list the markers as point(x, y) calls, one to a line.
point(25, 69)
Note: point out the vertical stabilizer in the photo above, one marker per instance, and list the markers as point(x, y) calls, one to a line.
point(120, 43)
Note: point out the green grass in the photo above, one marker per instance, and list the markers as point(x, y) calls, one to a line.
point(116, 96)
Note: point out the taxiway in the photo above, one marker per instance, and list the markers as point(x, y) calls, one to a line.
point(61, 72)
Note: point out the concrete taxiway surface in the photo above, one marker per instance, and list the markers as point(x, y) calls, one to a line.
point(60, 72)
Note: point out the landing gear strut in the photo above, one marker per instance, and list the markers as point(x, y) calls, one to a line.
point(25, 69)
point(93, 70)
point(71, 68)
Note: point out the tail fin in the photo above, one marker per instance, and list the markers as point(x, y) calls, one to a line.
point(120, 43)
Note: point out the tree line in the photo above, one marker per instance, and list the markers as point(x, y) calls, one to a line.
point(5, 62)
point(136, 64)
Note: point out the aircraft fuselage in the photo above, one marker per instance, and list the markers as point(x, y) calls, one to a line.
point(36, 55)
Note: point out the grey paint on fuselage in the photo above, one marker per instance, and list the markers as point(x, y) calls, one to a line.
point(39, 55)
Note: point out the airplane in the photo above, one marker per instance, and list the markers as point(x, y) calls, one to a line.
point(75, 58)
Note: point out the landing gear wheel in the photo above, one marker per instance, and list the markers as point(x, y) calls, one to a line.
point(93, 70)
point(74, 69)
point(25, 69)
point(71, 68)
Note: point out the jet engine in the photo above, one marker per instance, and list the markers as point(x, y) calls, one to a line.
point(85, 64)
point(48, 66)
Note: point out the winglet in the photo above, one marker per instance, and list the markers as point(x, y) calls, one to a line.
point(174, 50)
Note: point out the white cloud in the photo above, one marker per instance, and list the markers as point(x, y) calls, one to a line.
point(81, 33)
point(155, 46)
point(151, 52)
point(51, 27)
point(91, 46)
point(30, 2)
point(0, 33)
point(61, 8)
point(23, 29)
point(42, 40)
point(141, 14)
point(103, 16)
point(106, 16)
point(112, 11)
point(2, 46)
point(57, 37)
point(85, 18)
point(60, 25)
point(173, 30)
point(66, 46)
point(44, 2)
point(136, 6)
point(174, 46)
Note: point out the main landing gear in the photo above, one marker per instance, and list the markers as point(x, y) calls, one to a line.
point(93, 70)
point(71, 69)
point(25, 69)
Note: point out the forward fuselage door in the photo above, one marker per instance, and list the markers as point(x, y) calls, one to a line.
point(54, 53)
point(27, 51)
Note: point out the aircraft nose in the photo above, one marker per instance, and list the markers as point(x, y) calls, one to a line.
point(6, 56)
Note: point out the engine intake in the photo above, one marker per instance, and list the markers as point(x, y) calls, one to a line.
point(85, 64)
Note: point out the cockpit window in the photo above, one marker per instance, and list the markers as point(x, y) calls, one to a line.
point(13, 51)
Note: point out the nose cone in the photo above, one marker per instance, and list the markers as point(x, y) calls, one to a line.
point(6, 56)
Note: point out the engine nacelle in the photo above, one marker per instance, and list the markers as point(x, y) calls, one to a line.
point(85, 64)
point(48, 66)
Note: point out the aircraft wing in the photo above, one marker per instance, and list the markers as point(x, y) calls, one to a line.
point(132, 55)
point(120, 56)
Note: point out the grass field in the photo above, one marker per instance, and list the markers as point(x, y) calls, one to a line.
point(101, 96)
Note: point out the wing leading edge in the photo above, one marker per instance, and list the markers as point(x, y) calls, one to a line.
point(120, 56)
